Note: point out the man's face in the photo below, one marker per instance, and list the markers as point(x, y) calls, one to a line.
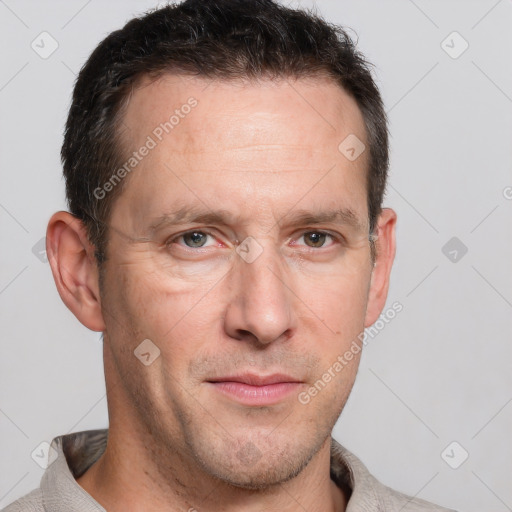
point(254, 160)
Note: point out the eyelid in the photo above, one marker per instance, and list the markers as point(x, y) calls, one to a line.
point(176, 237)
point(336, 237)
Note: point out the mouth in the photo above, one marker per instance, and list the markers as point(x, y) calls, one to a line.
point(256, 390)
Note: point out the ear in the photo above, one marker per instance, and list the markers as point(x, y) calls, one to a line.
point(74, 268)
point(385, 249)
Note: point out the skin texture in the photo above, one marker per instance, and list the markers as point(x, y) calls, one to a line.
point(262, 152)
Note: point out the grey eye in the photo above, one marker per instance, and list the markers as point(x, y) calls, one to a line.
point(196, 238)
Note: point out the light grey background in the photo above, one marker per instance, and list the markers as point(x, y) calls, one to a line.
point(439, 372)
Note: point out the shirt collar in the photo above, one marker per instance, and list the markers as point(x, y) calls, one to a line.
point(78, 451)
point(60, 491)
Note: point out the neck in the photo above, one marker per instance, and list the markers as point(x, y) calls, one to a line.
point(179, 484)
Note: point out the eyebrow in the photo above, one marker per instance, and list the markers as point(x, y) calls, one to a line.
point(192, 214)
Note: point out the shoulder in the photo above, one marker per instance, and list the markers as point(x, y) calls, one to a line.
point(72, 455)
point(367, 492)
point(394, 500)
point(31, 502)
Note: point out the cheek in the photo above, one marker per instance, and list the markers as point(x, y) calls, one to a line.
point(170, 310)
point(181, 311)
point(337, 299)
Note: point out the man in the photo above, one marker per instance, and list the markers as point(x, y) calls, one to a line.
point(225, 165)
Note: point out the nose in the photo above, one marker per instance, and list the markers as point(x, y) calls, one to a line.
point(260, 308)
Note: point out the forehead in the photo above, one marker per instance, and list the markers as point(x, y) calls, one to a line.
point(259, 139)
point(261, 107)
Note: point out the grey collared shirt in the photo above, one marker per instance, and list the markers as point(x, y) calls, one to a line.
point(75, 453)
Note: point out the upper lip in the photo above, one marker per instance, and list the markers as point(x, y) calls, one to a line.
point(256, 380)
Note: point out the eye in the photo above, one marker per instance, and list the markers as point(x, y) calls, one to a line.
point(316, 239)
point(193, 239)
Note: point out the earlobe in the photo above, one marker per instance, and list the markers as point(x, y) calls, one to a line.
point(74, 268)
point(385, 254)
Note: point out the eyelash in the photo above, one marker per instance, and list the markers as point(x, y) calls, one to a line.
point(335, 238)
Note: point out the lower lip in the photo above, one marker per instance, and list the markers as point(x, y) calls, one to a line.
point(257, 395)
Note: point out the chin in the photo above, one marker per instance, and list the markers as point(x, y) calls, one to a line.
point(265, 477)
point(245, 466)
